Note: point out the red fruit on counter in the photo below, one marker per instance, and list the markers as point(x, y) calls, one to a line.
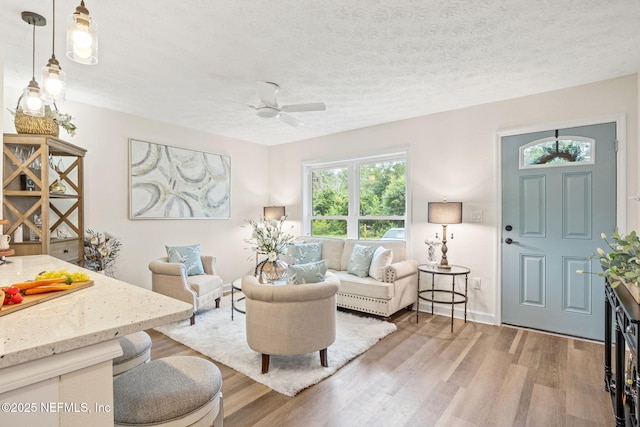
point(12, 290)
point(17, 298)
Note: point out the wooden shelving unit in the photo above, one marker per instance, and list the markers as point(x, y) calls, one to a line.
point(29, 169)
point(6, 252)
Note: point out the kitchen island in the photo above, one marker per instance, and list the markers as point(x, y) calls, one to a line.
point(56, 356)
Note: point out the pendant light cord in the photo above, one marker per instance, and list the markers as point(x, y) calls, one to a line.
point(33, 53)
point(53, 42)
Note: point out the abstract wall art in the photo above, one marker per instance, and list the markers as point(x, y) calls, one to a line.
point(175, 183)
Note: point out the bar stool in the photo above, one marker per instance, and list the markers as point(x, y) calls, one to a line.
point(136, 349)
point(171, 391)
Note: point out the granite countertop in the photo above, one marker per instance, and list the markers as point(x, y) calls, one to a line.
point(107, 310)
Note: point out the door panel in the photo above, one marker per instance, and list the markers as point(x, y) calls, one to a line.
point(556, 213)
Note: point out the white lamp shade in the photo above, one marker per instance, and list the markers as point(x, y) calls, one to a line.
point(274, 213)
point(445, 213)
point(82, 39)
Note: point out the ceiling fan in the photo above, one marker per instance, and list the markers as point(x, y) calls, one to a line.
point(268, 107)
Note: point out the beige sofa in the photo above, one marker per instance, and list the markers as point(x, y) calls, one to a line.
point(383, 298)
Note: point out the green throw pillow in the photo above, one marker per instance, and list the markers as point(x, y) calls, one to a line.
point(187, 255)
point(304, 253)
point(312, 272)
point(360, 260)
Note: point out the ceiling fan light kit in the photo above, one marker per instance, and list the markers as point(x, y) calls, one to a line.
point(268, 107)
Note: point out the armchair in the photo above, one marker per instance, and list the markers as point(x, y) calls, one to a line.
point(171, 279)
point(290, 319)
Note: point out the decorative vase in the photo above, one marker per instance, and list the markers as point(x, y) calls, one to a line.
point(271, 271)
point(57, 187)
point(634, 290)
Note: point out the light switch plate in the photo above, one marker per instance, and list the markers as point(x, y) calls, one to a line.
point(476, 216)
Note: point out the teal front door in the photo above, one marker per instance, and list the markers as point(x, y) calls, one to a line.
point(558, 196)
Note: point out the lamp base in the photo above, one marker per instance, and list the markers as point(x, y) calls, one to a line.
point(443, 267)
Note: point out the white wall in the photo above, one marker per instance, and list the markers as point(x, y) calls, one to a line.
point(105, 135)
point(454, 154)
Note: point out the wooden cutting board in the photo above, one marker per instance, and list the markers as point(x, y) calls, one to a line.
point(31, 300)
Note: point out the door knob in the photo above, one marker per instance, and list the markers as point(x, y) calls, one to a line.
point(509, 241)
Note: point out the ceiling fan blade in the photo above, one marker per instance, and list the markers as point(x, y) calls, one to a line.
point(267, 91)
point(290, 120)
point(298, 108)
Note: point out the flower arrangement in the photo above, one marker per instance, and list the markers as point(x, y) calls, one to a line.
point(268, 238)
point(101, 251)
point(63, 120)
point(620, 265)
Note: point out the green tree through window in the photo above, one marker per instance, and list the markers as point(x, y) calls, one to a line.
point(359, 199)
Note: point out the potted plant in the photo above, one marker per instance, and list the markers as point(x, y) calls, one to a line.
point(620, 263)
point(267, 238)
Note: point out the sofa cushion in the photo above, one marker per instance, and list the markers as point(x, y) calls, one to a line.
point(365, 286)
point(312, 272)
point(381, 259)
point(305, 253)
point(398, 247)
point(187, 255)
point(203, 284)
point(331, 250)
point(360, 260)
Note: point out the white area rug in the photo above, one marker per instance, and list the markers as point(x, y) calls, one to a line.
point(223, 340)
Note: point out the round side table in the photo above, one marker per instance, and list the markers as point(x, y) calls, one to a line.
point(456, 297)
point(236, 285)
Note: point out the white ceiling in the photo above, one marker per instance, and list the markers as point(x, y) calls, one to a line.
point(195, 63)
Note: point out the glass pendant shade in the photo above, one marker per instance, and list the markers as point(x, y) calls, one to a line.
point(53, 81)
point(32, 104)
point(82, 37)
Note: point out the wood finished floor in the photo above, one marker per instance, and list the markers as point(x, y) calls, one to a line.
point(422, 375)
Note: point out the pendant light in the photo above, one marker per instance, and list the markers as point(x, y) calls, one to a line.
point(32, 104)
point(53, 78)
point(82, 37)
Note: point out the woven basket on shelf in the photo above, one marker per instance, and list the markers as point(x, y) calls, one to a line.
point(35, 125)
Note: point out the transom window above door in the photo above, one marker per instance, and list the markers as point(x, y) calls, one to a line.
point(558, 151)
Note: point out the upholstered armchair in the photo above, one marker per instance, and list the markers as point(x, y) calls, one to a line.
point(290, 319)
point(201, 290)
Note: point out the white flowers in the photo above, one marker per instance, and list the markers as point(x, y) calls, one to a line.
point(268, 238)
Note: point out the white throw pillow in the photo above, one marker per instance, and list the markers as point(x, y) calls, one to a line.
point(382, 258)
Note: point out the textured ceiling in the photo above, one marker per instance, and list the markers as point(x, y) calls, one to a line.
point(196, 63)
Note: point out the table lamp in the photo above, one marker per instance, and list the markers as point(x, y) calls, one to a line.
point(445, 213)
point(274, 213)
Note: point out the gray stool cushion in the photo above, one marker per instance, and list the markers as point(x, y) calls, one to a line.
point(136, 349)
point(165, 389)
point(133, 345)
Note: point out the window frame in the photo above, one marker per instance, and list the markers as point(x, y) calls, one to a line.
point(583, 139)
point(353, 169)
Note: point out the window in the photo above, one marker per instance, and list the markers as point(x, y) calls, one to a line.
point(363, 198)
point(557, 151)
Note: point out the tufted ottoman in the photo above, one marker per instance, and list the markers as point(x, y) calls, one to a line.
point(172, 391)
point(136, 349)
